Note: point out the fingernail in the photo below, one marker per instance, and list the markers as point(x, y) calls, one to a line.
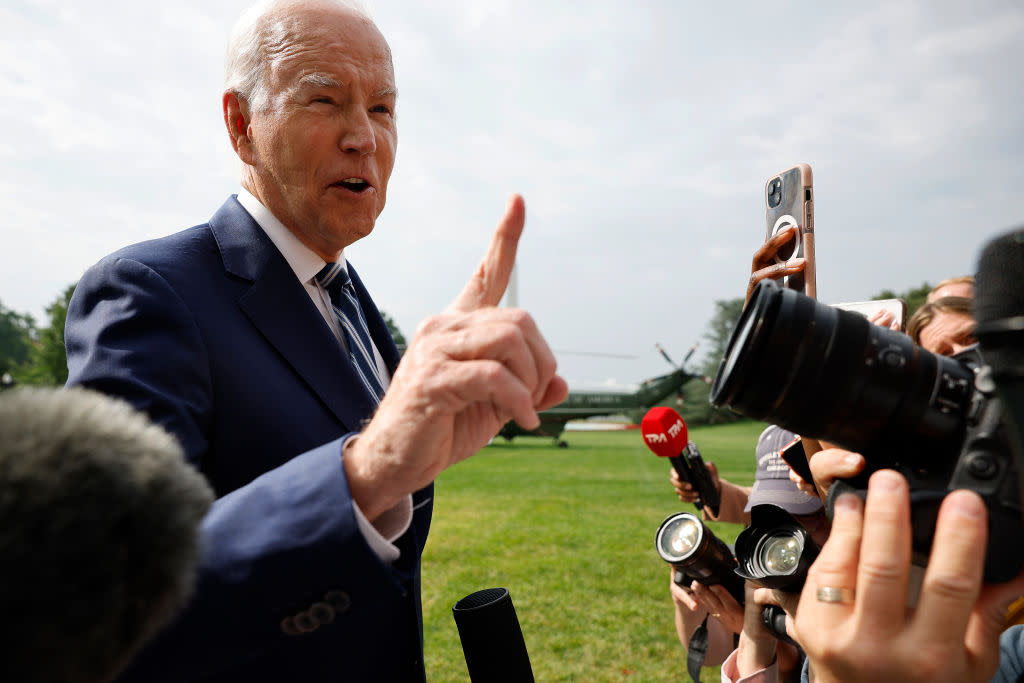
point(887, 481)
point(852, 459)
point(847, 502)
point(798, 261)
point(967, 504)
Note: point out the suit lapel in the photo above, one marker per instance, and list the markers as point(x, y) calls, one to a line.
point(279, 307)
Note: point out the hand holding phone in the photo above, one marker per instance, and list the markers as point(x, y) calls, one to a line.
point(788, 251)
point(767, 264)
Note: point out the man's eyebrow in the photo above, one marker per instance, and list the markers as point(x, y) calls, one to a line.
point(322, 80)
point(319, 80)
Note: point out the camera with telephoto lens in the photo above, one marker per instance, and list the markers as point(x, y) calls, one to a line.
point(695, 553)
point(829, 374)
point(693, 550)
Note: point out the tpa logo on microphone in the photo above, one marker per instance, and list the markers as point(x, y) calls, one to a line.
point(674, 430)
point(659, 437)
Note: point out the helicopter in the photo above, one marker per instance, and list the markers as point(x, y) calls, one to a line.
point(584, 404)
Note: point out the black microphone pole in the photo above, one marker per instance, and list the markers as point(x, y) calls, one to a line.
point(491, 638)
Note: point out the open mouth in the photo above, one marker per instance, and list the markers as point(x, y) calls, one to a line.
point(357, 185)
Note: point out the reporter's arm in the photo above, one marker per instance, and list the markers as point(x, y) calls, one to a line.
point(734, 500)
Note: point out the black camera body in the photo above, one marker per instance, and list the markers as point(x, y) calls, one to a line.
point(829, 374)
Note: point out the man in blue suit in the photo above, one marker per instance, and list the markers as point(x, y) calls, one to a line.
point(229, 336)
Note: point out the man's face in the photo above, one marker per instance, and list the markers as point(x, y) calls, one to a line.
point(948, 333)
point(324, 148)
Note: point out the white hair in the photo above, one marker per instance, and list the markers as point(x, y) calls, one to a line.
point(254, 41)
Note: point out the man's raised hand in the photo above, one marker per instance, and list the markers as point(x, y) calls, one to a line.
point(466, 372)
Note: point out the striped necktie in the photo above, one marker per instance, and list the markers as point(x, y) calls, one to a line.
point(334, 278)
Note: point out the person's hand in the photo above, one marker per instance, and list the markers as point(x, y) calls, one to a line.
point(884, 318)
point(834, 463)
point(685, 490)
point(764, 265)
point(719, 603)
point(465, 373)
point(852, 620)
point(715, 600)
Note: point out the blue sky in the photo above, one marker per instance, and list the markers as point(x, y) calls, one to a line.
point(641, 135)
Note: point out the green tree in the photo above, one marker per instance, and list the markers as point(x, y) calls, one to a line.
point(47, 361)
point(17, 331)
point(914, 297)
point(717, 335)
point(396, 333)
point(723, 322)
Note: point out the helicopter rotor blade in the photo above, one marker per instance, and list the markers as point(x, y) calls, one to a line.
point(598, 354)
point(690, 354)
point(665, 355)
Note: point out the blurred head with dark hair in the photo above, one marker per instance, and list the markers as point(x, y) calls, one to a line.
point(99, 519)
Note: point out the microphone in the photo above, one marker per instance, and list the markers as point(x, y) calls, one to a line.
point(100, 537)
point(491, 638)
point(999, 314)
point(665, 433)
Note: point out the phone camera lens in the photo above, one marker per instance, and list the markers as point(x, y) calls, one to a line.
point(775, 193)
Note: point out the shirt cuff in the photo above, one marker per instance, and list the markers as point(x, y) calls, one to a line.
point(388, 527)
point(730, 673)
point(380, 535)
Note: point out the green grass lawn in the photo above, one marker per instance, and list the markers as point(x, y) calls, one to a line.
point(570, 533)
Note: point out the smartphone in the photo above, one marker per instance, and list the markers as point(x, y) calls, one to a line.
point(796, 457)
point(789, 200)
point(896, 307)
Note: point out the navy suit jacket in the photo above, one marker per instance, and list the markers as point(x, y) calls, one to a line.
point(210, 333)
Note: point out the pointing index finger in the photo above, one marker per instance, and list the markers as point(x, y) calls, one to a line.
point(488, 283)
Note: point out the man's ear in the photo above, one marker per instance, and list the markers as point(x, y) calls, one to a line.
point(236, 118)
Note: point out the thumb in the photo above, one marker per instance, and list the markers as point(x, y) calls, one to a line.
point(488, 283)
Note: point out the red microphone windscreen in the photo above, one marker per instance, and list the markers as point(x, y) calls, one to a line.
point(664, 432)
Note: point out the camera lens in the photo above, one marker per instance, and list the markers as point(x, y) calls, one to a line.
point(827, 373)
point(775, 550)
point(679, 537)
point(779, 553)
point(775, 193)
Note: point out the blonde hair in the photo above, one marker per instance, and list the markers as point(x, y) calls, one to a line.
point(926, 313)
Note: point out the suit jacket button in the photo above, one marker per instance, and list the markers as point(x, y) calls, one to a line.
point(305, 623)
point(289, 627)
point(339, 600)
point(322, 613)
